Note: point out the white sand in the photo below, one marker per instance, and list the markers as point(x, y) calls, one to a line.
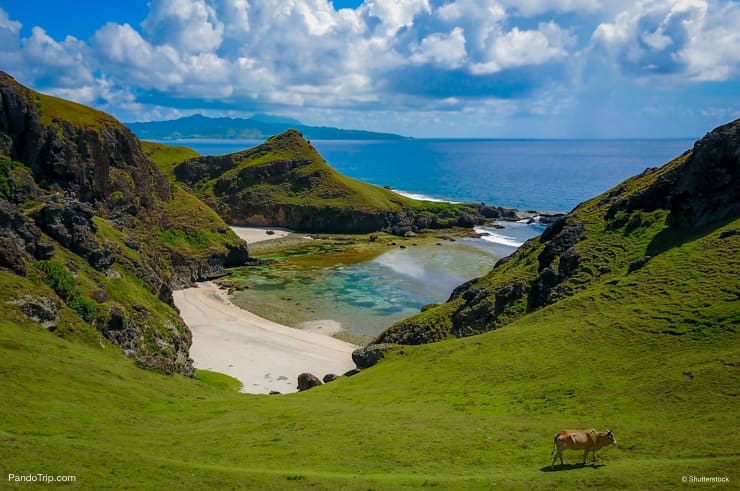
point(327, 327)
point(250, 235)
point(262, 354)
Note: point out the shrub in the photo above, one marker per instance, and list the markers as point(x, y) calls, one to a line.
point(59, 279)
point(64, 284)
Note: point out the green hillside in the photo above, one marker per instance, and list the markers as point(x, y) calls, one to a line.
point(648, 348)
point(285, 182)
point(93, 238)
point(601, 245)
point(456, 415)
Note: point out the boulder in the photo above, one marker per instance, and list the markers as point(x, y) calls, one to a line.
point(329, 377)
point(638, 263)
point(369, 355)
point(308, 381)
point(44, 310)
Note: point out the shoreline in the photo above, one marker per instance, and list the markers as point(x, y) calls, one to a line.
point(264, 355)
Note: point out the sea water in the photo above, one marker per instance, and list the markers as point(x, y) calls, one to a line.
point(544, 175)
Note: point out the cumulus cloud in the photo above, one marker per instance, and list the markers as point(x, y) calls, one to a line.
point(518, 48)
point(536, 7)
point(395, 14)
point(446, 50)
point(697, 39)
point(189, 25)
point(399, 55)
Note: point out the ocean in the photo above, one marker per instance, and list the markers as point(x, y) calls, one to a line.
point(367, 297)
point(542, 175)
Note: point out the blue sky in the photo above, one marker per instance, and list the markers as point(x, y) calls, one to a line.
point(424, 68)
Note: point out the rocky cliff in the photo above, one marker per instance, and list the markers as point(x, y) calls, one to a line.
point(97, 231)
point(601, 242)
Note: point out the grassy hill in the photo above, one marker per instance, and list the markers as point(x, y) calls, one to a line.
point(455, 415)
point(600, 245)
point(285, 182)
point(650, 350)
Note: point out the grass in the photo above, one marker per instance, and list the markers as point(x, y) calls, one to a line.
point(53, 109)
point(166, 157)
point(240, 198)
point(461, 414)
point(218, 380)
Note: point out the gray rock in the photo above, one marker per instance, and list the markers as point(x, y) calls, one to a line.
point(369, 355)
point(43, 310)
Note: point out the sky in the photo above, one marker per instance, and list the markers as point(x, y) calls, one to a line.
point(421, 68)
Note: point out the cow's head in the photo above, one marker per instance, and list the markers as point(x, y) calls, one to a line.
point(609, 436)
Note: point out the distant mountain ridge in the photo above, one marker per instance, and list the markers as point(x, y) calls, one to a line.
point(259, 126)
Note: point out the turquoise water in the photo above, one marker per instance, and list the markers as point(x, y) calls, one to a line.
point(369, 296)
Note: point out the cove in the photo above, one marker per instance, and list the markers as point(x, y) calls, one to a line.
point(368, 296)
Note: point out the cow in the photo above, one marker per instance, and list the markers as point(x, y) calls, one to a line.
point(586, 440)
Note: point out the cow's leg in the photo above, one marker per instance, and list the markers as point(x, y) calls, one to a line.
point(585, 455)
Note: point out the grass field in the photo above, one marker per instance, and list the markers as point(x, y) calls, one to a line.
point(471, 413)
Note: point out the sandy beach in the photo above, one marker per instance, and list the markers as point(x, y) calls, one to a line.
point(264, 355)
point(251, 235)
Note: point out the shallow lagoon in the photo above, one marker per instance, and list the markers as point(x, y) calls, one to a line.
point(368, 296)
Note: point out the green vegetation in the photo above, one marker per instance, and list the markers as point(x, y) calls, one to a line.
point(653, 356)
point(64, 284)
point(649, 350)
point(327, 186)
point(218, 380)
point(285, 182)
point(166, 157)
point(53, 109)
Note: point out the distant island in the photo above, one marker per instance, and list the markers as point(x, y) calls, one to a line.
point(259, 127)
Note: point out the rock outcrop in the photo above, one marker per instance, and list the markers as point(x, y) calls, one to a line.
point(76, 180)
point(70, 223)
point(700, 188)
point(89, 153)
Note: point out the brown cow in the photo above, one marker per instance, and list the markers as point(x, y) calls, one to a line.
point(586, 440)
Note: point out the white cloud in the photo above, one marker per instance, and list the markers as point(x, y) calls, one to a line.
point(697, 39)
point(529, 47)
point(10, 56)
point(395, 14)
point(530, 8)
point(396, 55)
point(235, 16)
point(442, 50)
point(191, 26)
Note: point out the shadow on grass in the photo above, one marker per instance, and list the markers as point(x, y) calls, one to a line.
point(571, 467)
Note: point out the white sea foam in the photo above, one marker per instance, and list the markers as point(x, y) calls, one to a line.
point(422, 197)
point(489, 235)
point(401, 263)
